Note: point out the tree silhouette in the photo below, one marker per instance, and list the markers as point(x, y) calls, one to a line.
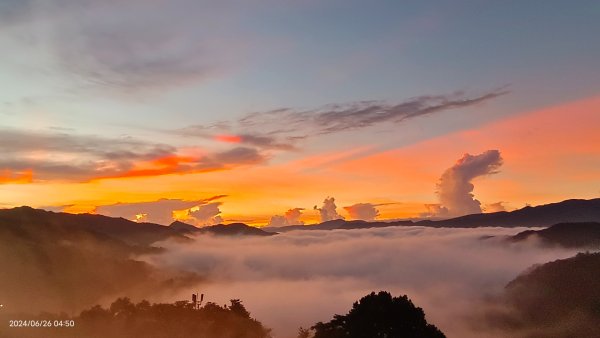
point(303, 333)
point(379, 315)
point(124, 319)
point(238, 308)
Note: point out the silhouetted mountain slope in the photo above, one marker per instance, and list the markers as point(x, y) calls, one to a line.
point(569, 235)
point(543, 215)
point(124, 230)
point(182, 227)
point(557, 299)
point(574, 210)
point(234, 229)
point(340, 224)
point(65, 262)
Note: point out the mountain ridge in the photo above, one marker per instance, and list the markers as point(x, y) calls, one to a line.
point(567, 211)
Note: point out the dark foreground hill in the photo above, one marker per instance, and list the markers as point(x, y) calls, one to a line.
point(568, 235)
point(61, 261)
point(133, 233)
point(571, 211)
point(557, 299)
point(68, 261)
point(124, 319)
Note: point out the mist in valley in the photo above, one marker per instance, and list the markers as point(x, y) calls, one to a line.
point(301, 277)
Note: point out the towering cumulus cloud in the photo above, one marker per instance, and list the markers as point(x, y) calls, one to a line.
point(455, 188)
point(363, 211)
point(329, 210)
point(291, 217)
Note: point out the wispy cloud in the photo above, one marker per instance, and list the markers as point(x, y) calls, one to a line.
point(130, 48)
point(282, 128)
point(61, 156)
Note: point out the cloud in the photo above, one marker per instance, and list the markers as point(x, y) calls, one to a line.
point(220, 133)
point(282, 128)
point(301, 277)
point(16, 177)
point(363, 211)
point(328, 211)
point(291, 217)
point(202, 215)
point(62, 156)
point(434, 210)
point(494, 207)
point(455, 188)
point(358, 115)
point(136, 47)
point(14, 11)
point(164, 211)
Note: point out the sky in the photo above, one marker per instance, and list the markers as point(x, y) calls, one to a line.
point(280, 113)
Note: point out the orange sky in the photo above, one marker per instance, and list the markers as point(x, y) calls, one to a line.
point(549, 155)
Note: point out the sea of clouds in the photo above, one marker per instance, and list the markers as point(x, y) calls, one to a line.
point(298, 278)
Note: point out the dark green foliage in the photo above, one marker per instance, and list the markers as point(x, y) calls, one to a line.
point(379, 315)
point(124, 319)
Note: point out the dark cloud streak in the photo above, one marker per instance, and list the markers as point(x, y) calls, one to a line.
point(73, 157)
point(281, 129)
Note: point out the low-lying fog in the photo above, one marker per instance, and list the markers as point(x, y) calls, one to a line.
point(301, 277)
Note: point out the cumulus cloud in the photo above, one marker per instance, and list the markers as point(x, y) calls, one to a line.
point(494, 207)
point(455, 188)
point(363, 211)
point(328, 211)
point(201, 215)
point(446, 271)
point(291, 217)
point(434, 210)
point(164, 211)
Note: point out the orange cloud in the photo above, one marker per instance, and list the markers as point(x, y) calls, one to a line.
point(15, 177)
point(549, 154)
point(166, 165)
point(228, 138)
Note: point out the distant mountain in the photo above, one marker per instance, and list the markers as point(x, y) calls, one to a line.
point(233, 229)
point(182, 227)
point(569, 211)
point(556, 299)
point(340, 224)
point(568, 235)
